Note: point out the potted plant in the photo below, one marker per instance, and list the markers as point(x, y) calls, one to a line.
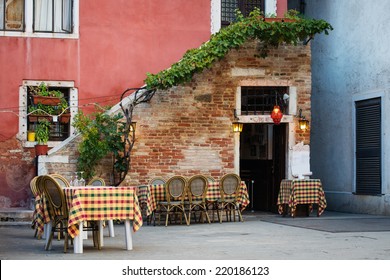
point(40, 111)
point(63, 111)
point(42, 133)
point(42, 95)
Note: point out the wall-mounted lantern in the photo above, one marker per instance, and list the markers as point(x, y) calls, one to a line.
point(236, 125)
point(133, 125)
point(303, 122)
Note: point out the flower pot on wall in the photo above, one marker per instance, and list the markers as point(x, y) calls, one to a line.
point(36, 118)
point(65, 118)
point(46, 100)
point(41, 150)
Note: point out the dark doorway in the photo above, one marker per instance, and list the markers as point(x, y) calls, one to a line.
point(262, 163)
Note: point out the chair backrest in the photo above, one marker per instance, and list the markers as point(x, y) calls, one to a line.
point(61, 180)
point(55, 197)
point(33, 186)
point(96, 181)
point(197, 187)
point(157, 181)
point(176, 188)
point(229, 185)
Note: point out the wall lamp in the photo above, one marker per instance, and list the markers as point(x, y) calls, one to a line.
point(276, 114)
point(133, 125)
point(237, 126)
point(303, 122)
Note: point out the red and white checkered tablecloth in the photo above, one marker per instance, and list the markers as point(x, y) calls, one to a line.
point(307, 191)
point(102, 203)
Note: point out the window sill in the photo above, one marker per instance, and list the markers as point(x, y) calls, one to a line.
point(39, 35)
point(51, 144)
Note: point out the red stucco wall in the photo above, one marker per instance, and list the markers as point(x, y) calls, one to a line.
point(118, 44)
point(120, 41)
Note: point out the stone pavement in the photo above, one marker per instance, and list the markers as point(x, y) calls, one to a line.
point(262, 236)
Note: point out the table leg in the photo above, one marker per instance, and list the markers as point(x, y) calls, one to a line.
point(78, 240)
point(111, 228)
point(129, 240)
point(47, 232)
point(101, 232)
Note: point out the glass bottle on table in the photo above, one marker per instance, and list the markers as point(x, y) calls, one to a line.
point(82, 180)
point(76, 180)
point(71, 180)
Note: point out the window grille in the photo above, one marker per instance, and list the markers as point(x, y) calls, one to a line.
point(261, 100)
point(229, 7)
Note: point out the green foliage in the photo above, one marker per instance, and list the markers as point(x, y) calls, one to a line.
point(42, 131)
point(49, 109)
point(102, 134)
point(43, 90)
point(271, 34)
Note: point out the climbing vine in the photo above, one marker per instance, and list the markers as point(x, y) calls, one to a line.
point(271, 34)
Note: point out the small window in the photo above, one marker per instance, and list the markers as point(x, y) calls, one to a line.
point(53, 16)
point(57, 112)
point(60, 111)
point(12, 15)
point(261, 100)
point(229, 7)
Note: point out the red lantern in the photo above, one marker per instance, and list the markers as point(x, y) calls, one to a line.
point(276, 114)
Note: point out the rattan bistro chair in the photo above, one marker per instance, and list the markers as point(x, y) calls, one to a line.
point(62, 181)
point(58, 212)
point(157, 181)
point(197, 190)
point(35, 192)
point(96, 181)
point(175, 190)
point(229, 186)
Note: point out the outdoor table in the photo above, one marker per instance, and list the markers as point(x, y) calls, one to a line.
point(98, 203)
point(294, 192)
point(155, 193)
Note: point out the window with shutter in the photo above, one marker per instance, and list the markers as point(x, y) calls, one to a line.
point(368, 146)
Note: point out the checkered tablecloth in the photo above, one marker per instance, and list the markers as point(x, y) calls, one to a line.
point(294, 192)
point(40, 216)
point(156, 193)
point(102, 203)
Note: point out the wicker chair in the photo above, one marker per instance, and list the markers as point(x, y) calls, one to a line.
point(96, 181)
point(61, 180)
point(175, 190)
point(58, 212)
point(197, 190)
point(157, 181)
point(229, 186)
point(35, 192)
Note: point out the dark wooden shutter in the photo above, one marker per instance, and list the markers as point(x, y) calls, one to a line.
point(368, 146)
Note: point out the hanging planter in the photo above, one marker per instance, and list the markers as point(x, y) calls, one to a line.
point(65, 118)
point(46, 100)
point(38, 117)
